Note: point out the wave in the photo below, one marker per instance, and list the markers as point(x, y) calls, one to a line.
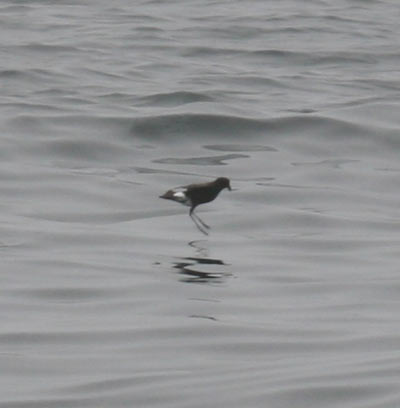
point(101, 136)
point(174, 98)
point(166, 127)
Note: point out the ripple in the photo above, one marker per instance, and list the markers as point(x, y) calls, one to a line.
point(240, 148)
point(174, 99)
point(202, 161)
point(68, 295)
point(336, 164)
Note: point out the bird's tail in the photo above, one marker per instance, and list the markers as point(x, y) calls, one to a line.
point(168, 195)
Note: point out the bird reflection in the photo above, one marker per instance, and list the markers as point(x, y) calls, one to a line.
point(190, 267)
point(200, 247)
point(187, 267)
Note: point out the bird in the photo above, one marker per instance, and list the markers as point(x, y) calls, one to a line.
point(196, 194)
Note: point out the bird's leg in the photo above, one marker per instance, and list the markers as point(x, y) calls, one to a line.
point(199, 219)
point(199, 226)
point(196, 221)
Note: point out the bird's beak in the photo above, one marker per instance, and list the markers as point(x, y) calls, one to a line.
point(229, 188)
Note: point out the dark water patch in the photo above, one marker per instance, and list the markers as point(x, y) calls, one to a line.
point(15, 8)
point(31, 107)
point(50, 48)
point(56, 125)
point(139, 18)
point(125, 100)
point(70, 295)
point(93, 73)
point(79, 149)
point(186, 126)
point(254, 81)
point(148, 170)
point(318, 127)
point(173, 99)
point(281, 56)
point(36, 76)
point(11, 73)
point(4, 246)
point(240, 148)
point(316, 58)
point(56, 92)
point(74, 104)
point(239, 31)
point(99, 218)
point(207, 51)
point(305, 110)
point(28, 124)
point(148, 29)
point(202, 161)
point(176, 125)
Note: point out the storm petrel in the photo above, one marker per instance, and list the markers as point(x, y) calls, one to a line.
point(196, 194)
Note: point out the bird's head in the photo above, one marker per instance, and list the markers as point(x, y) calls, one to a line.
point(223, 182)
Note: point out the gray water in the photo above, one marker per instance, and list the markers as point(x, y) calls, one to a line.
point(110, 297)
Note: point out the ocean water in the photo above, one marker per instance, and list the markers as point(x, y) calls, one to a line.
point(110, 297)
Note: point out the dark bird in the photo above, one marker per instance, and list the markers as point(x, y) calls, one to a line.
point(196, 194)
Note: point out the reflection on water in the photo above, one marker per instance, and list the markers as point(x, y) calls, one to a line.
point(200, 246)
point(200, 268)
point(204, 317)
point(191, 273)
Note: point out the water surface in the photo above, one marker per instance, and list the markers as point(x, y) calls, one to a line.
point(111, 296)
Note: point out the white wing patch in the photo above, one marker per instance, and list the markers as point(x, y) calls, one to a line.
point(181, 197)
